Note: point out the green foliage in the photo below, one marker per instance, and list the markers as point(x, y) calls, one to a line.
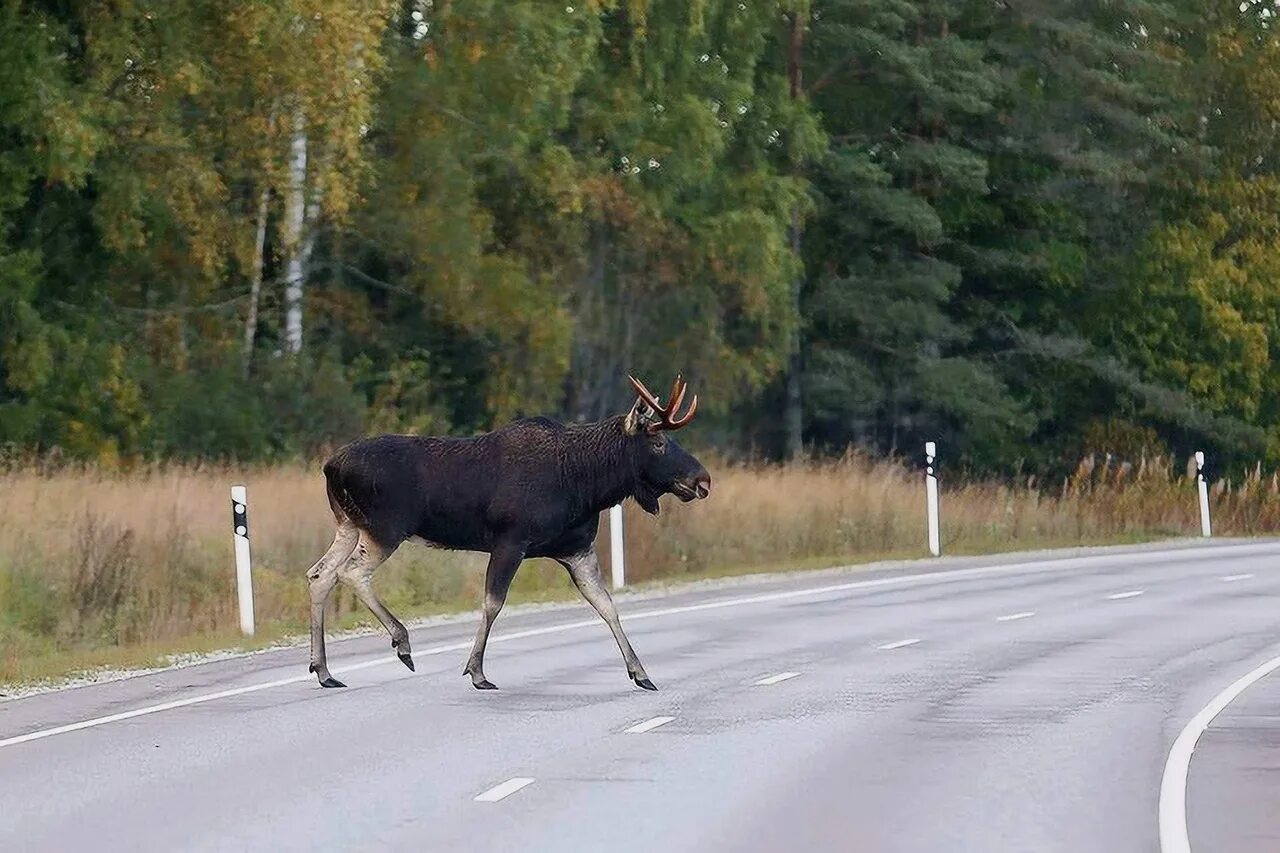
point(991, 225)
point(904, 89)
point(1205, 309)
point(292, 409)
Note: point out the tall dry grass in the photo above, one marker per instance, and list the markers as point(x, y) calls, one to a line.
point(98, 566)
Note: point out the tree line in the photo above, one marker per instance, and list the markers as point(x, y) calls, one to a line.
point(1026, 229)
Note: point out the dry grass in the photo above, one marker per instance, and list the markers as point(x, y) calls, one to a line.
point(99, 568)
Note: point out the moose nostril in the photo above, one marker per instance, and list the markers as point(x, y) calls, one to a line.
point(703, 485)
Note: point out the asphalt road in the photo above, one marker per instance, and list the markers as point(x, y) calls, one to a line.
point(957, 705)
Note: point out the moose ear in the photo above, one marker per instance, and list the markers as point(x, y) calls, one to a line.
point(631, 423)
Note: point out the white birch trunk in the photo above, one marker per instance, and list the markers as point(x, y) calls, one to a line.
point(309, 221)
point(294, 220)
point(255, 280)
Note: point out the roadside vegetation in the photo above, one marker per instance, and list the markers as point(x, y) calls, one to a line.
point(109, 568)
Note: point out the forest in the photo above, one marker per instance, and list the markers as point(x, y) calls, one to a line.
point(1028, 230)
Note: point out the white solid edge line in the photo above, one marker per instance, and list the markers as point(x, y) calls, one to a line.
point(1013, 617)
point(1244, 577)
point(901, 580)
point(1174, 837)
point(1133, 593)
point(774, 679)
point(506, 789)
point(648, 725)
point(900, 644)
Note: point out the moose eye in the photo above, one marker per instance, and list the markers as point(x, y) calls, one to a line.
point(658, 444)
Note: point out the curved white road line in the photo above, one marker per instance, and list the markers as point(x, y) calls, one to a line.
point(951, 575)
point(1173, 785)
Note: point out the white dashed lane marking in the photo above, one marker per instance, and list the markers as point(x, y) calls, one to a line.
point(506, 789)
point(1230, 578)
point(900, 644)
point(774, 679)
point(1013, 617)
point(1116, 596)
point(648, 725)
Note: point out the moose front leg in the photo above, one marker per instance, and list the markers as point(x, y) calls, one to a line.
point(585, 570)
point(503, 562)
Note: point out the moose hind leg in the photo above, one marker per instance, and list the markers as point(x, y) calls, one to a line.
point(358, 572)
point(503, 563)
point(584, 569)
point(321, 578)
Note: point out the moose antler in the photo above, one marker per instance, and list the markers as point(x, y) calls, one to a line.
point(667, 419)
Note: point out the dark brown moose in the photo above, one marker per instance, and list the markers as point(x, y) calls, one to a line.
point(534, 488)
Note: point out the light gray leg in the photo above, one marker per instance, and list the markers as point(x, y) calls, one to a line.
point(585, 571)
point(358, 573)
point(503, 563)
point(475, 663)
point(321, 578)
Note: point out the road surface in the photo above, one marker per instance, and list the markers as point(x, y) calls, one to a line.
point(1017, 703)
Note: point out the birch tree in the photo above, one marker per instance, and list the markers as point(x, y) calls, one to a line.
point(295, 221)
point(329, 83)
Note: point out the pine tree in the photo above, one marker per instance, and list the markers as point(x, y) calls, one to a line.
point(902, 92)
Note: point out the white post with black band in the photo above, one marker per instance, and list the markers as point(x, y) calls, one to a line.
point(1206, 529)
point(244, 567)
point(931, 496)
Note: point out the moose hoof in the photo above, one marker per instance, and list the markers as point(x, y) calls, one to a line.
point(331, 682)
point(407, 660)
point(646, 684)
point(484, 684)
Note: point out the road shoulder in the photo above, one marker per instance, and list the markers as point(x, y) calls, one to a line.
point(1234, 782)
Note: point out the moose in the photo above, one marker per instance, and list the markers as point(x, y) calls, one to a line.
point(534, 488)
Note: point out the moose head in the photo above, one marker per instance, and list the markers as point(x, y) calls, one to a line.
point(662, 465)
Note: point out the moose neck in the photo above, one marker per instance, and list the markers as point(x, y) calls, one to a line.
point(601, 464)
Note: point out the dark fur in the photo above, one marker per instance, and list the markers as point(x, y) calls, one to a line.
point(532, 489)
point(536, 485)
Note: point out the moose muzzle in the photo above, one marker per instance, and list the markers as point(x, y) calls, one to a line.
point(702, 485)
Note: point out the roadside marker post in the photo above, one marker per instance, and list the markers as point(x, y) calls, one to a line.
point(1206, 529)
point(931, 495)
point(616, 559)
point(244, 567)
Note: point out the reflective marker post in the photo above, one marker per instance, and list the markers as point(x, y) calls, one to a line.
point(616, 560)
point(1206, 529)
point(244, 568)
point(931, 495)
